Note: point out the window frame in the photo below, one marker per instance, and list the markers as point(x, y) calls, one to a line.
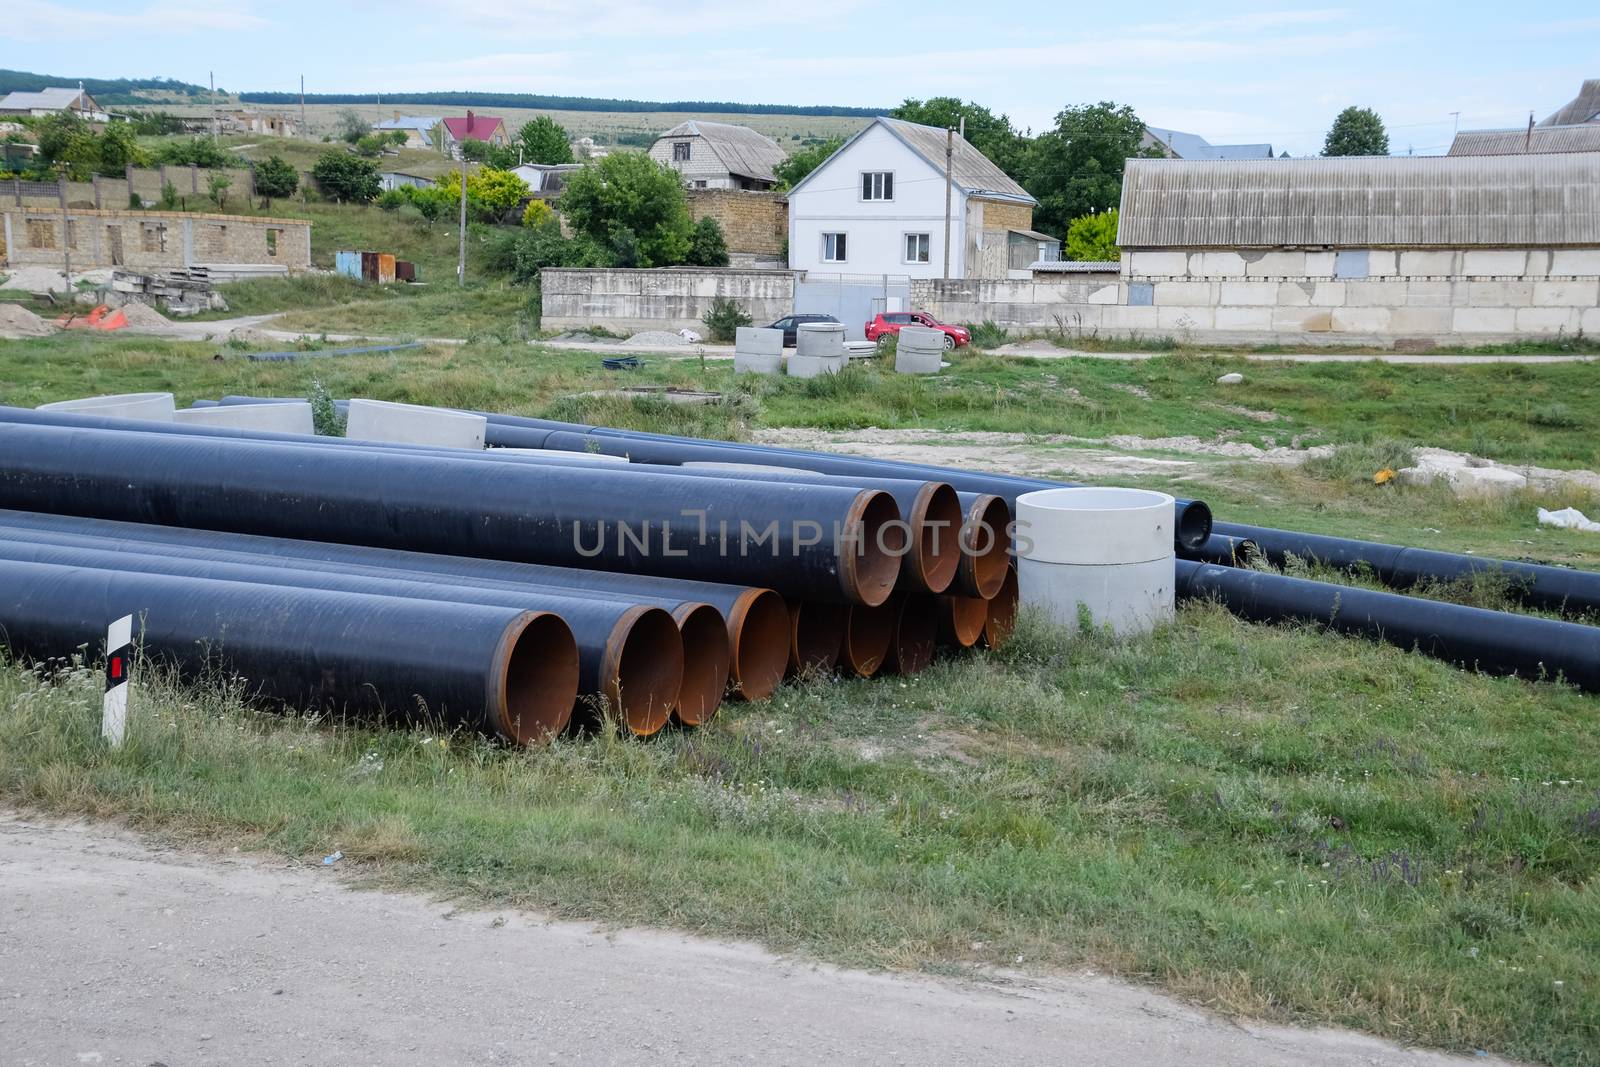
point(683, 151)
point(841, 245)
point(886, 184)
point(905, 247)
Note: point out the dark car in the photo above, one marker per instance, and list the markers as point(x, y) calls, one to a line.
point(789, 323)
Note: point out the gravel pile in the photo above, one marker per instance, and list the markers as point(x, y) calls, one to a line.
point(655, 339)
point(144, 317)
point(17, 322)
point(35, 280)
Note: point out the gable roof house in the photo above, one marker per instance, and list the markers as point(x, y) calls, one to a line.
point(718, 155)
point(877, 206)
point(419, 129)
point(1573, 128)
point(1175, 144)
point(490, 129)
point(51, 101)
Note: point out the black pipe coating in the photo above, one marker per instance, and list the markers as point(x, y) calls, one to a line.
point(1225, 551)
point(500, 670)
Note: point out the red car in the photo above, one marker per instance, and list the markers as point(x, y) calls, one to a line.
point(888, 324)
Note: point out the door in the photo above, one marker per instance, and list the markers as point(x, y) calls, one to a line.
point(114, 244)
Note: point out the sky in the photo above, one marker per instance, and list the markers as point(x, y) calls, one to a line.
point(1243, 72)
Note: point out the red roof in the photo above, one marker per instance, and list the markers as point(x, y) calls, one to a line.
point(473, 127)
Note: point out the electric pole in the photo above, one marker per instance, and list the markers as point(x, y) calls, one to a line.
point(213, 104)
point(461, 256)
point(949, 156)
point(303, 130)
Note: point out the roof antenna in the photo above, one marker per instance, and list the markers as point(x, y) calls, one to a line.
point(1527, 142)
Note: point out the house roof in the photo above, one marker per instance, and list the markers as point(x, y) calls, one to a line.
point(1585, 107)
point(1581, 138)
point(423, 124)
point(53, 99)
point(1362, 202)
point(1193, 146)
point(974, 173)
point(1075, 266)
point(473, 127)
point(741, 150)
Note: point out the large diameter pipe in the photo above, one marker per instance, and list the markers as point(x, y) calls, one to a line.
point(629, 655)
point(1002, 620)
point(500, 670)
point(1534, 584)
point(1225, 551)
point(756, 618)
point(808, 540)
point(868, 634)
point(1493, 641)
point(961, 620)
point(816, 634)
point(916, 632)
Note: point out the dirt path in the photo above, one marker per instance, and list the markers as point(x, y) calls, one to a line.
point(118, 951)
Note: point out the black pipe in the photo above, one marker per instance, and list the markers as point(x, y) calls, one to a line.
point(628, 654)
point(363, 350)
point(1225, 551)
point(756, 618)
point(501, 670)
point(1492, 641)
point(807, 540)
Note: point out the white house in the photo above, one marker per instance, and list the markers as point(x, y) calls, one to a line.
point(877, 206)
point(53, 101)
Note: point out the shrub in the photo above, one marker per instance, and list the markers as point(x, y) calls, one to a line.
point(1093, 237)
point(391, 200)
point(724, 318)
point(198, 152)
point(632, 206)
point(988, 334)
point(346, 177)
point(169, 197)
point(276, 178)
point(537, 213)
point(1358, 463)
point(706, 245)
point(217, 187)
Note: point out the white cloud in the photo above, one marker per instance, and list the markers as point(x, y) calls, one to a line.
point(625, 19)
point(42, 20)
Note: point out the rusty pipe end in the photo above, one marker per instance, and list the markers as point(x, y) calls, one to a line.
point(934, 552)
point(758, 636)
point(869, 631)
point(534, 682)
point(707, 653)
point(870, 547)
point(961, 620)
point(1002, 612)
point(985, 547)
point(816, 634)
point(916, 631)
point(641, 669)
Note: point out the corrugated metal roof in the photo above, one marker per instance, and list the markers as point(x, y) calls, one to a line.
point(1076, 266)
point(1193, 146)
point(473, 126)
point(54, 99)
point(742, 150)
point(969, 168)
point(1583, 138)
point(1585, 107)
point(1362, 202)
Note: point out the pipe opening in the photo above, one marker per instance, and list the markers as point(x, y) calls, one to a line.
point(1002, 613)
point(869, 631)
point(648, 670)
point(816, 632)
point(936, 524)
point(985, 547)
point(961, 619)
point(759, 630)
point(706, 656)
point(1194, 524)
point(871, 547)
point(539, 683)
point(916, 631)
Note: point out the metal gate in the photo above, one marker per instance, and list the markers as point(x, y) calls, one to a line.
point(853, 299)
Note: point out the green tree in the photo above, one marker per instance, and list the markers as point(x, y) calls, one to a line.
point(632, 206)
point(217, 189)
point(1358, 131)
point(991, 134)
point(345, 177)
point(794, 169)
point(1093, 237)
point(707, 247)
point(120, 150)
point(276, 178)
point(544, 141)
point(537, 213)
point(352, 127)
point(1075, 167)
point(491, 193)
point(198, 152)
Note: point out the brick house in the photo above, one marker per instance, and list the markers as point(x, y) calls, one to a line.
point(490, 129)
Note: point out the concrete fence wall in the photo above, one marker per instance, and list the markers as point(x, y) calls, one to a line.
point(669, 298)
point(190, 183)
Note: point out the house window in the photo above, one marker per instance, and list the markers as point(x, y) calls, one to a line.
point(700, 183)
point(877, 185)
point(680, 151)
point(833, 247)
point(272, 242)
point(916, 248)
point(41, 233)
point(153, 238)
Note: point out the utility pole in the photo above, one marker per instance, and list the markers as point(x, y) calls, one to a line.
point(213, 104)
point(1456, 124)
point(303, 130)
point(461, 256)
point(949, 155)
point(1527, 142)
point(66, 235)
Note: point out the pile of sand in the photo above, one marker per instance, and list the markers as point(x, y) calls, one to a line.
point(17, 322)
point(656, 339)
point(144, 317)
point(36, 280)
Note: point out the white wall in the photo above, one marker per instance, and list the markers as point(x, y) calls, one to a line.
point(830, 201)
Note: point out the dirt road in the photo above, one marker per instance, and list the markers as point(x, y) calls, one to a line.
point(114, 950)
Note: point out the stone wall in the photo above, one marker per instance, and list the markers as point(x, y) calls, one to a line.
point(190, 183)
point(753, 223)
point(151, 240)
point(668, 298)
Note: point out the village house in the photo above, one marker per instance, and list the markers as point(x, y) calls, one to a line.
point(718, 155)
point(877, 206)
point(545, 180)
point(1175, 144)
point(489, 129)
point(419, 129)
point(53, 101)
point(1573, 128)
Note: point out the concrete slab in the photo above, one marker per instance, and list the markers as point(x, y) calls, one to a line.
point(413, 424)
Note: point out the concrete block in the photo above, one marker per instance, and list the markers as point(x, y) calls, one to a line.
point(1328, 295)
point(1499, 294)
point(757, 362)
point(1179, 319)
point(916, 361)
point(1351, 263)
point(1574, 293)
point(1589, 322)
point(1360, 320)
point(1319, 264)
point(1477, 263)
point(822, 340)
point(1576, 262)
point(278, 418)
point(814, 366)
point(1383, 263)
point(1428, 264)
point(1539, 264)
point(1130, 317)
point(156, 407)
point(1275, 264)
point(1221, 265)
point(1483, 320)
point(1547, 320)
point(1294, 294)
point(1429, 294)
point(1106, 294)
point(1243, 318)
point(413, 424)
point(1141, 294)
point(1183, 294)
point(1301, 320)
point(1421, 322)
point(756, 339)
point(1375, 293)
point(1248, 294)
point(1157, 264)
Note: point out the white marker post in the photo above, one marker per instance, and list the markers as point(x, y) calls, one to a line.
point(119, 660)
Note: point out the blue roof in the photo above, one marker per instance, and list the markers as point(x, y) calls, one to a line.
point(423, 124)
point(1193, 146)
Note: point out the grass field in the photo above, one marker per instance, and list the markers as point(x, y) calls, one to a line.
point(1270, 821)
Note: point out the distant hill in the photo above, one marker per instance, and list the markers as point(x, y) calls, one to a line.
point(106, 91)
point(558, 103)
